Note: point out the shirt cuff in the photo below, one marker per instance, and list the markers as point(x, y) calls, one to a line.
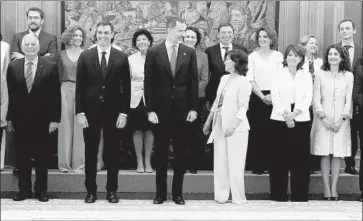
point(123, 114)
point(80, 114)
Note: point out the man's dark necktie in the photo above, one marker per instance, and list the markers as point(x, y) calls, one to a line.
point(173, 57)
point(347, 47)
point(29, 76)
point(225, 52)
point(103, 64)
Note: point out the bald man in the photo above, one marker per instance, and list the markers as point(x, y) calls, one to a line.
point(34, 113)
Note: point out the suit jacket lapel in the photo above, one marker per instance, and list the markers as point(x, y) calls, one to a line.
point(38, 74)
point(217, 50)
point(162, 52)
point(20, 73)
point(96, 62)
point(110, 62)
point(180, 58)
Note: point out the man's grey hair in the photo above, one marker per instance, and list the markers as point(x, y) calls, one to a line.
point(29, 36)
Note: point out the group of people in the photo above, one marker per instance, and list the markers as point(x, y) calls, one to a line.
point(278, 109)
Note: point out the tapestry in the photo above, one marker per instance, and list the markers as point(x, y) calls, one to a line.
point(127, 16)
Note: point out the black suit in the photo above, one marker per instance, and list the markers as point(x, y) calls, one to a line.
point(350, 161)
point(31, 114)
point(216, 68)
point(358, 100)
point(171, 98)
point(102, 99)
point(48, 44)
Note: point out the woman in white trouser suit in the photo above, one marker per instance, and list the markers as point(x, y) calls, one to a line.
point(230, 129)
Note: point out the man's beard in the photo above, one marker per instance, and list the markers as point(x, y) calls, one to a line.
point(34, 29)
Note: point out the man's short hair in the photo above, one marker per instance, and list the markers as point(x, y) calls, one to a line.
point(104, 23)
point(225, 25)
point(171, 21)
point(345, 20)
point(36, 9)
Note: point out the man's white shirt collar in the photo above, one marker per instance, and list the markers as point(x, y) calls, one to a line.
point(351, 44)
point(35, 33)
point(229, 46)
point(108, 50)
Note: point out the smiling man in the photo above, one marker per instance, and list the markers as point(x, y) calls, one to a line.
point(34, 113)
point(347, 31)
point(103, 93)
point(47, 42)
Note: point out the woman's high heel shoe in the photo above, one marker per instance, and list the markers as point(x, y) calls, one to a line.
point(328, 198)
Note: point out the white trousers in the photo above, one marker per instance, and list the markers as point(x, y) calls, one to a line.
point(70, 134)
point(229, 166)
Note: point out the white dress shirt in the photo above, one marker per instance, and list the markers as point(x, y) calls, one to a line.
point(262, 70)
point(223, 51)
point(136, 62)
point(107, 55)
point(35, 33)
point(34, 66)
point(5, 57)
point(287, 90)
point(351, 52)
point(169, 48)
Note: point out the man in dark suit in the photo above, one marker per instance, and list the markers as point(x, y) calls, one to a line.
point(34, 112)
point(216, 56)
point(347, 31)
point(358, 100)
point(48, 42)
point(171, 96)
point(103, 93)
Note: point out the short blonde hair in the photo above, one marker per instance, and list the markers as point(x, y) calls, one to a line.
point(304, 41)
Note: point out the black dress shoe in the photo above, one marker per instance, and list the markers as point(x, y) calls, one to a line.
point(22, 196)
point(42, 196)
point(90, 198)
point(112, 197)
point(351, 170)
point(159, 200)
point(193, 171)
point(335, 198)
point(179, 200)
point(327, 198)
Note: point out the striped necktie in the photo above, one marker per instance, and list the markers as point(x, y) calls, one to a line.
point(29, 75)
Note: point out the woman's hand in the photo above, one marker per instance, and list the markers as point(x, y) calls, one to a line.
point(336, 127)
point(327, 124)
point(229, 132)
point(206, 128)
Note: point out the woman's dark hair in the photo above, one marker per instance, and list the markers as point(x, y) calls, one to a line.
point(297, 49)
point(270, 33)
point(344, 63)
point(69, 32)
point(240, 58)
point(197, 32)
point(139, 32)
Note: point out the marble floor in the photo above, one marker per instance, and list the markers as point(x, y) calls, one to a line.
point(76, 209)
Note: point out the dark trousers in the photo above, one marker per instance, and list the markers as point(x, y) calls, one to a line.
point(290, 151)
point(361, 157)
point(164, 131)
point(32, 141)
point(1, 135)
point(196, 139)
point(350, 161)
point(259, 139)
point(111, 152)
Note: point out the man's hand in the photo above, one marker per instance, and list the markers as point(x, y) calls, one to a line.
point(289, 116)
point(192, 115)
point(82, 120)
point(10, 127)
point(153, 118)
point(121, 121)
point(290, 124)
point(267, 100)
point(17, 55)
point(53, 127)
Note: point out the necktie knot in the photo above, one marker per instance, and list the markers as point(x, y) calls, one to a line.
point(30, 63)
point(225, 48)
point(103, 53)
point(347, 47)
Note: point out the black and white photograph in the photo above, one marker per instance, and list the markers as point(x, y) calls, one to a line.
point(181, 110)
